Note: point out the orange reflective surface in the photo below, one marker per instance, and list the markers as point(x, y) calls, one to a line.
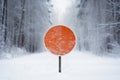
point(59, 40)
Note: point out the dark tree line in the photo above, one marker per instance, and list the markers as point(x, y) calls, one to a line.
point(23, 24)
point(100, 24)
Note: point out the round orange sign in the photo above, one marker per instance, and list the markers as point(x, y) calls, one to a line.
point(59, 40)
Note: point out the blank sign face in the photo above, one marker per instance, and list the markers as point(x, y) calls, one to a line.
point(59, 40)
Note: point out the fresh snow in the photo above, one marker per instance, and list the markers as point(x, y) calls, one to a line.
point(75, 66)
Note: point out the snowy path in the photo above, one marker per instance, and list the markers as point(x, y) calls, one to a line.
point(75, 66)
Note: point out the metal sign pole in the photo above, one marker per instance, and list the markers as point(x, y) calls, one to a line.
point(60, 64)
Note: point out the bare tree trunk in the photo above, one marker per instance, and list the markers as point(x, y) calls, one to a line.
point(4, 19)
point(21, 33)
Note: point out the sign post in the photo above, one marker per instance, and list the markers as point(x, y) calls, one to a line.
point(59, 64)
point(59, 40)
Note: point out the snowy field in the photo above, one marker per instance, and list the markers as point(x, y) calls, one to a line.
point(75, 66)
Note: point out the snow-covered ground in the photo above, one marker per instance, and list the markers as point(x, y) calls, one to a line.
point(75, 66)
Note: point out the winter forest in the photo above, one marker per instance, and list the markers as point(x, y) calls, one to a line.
point(25, 56)
point(96, 24)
